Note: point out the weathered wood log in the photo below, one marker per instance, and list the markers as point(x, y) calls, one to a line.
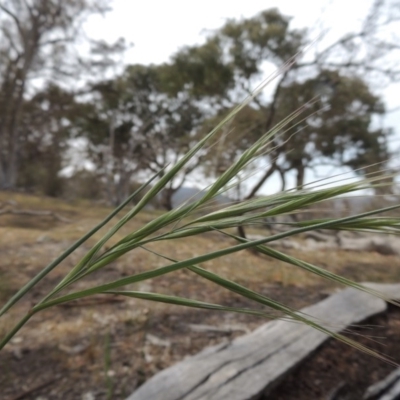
point(253, 364)
point(386, 389)
point(338, 393)
point(221, 329)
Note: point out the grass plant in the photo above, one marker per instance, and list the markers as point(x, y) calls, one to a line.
point(192, 219)
point(107, 366)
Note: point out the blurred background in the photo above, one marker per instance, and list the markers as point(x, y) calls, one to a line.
point(96, 96)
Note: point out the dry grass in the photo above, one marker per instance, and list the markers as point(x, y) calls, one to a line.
point(54, 335)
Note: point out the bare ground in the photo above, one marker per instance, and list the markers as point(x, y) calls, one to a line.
point(104, 347)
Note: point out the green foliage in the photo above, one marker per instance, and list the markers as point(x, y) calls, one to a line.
point(265, 37)
point(339, 132)
point(200, 70)
point(134, 125)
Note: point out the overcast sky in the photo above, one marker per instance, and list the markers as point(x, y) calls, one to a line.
point(158, 28)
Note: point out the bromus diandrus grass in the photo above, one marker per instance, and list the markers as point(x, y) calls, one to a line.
point(192, 219)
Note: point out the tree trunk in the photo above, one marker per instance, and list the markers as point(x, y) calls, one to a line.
point(257, 187)
point(166, 198)
point(11, 107)
point(11, 104)
point(300, 176)
point(8, 174)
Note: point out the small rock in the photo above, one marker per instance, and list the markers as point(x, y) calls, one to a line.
point(79, 348)
point(17, 353)
point(156, 341)
point(111, 373)
point(43, 239)
point(88, 396)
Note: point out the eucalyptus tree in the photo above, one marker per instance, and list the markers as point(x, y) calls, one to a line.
point(226, 66)
point(135, 127)
point(338, 130)
point(35, 37)
point(47, 124)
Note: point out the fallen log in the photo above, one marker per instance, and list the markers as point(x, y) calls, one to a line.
point(34, 213)
point(386, 389)
point(252, 365)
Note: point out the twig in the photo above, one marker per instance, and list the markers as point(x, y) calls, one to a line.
point(35, 388)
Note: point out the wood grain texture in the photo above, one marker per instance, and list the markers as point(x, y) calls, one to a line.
point(253, 364)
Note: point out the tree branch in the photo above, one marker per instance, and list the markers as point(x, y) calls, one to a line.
point(14, 17)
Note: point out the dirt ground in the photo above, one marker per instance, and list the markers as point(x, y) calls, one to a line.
point(105, 347)
point(342, 370)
